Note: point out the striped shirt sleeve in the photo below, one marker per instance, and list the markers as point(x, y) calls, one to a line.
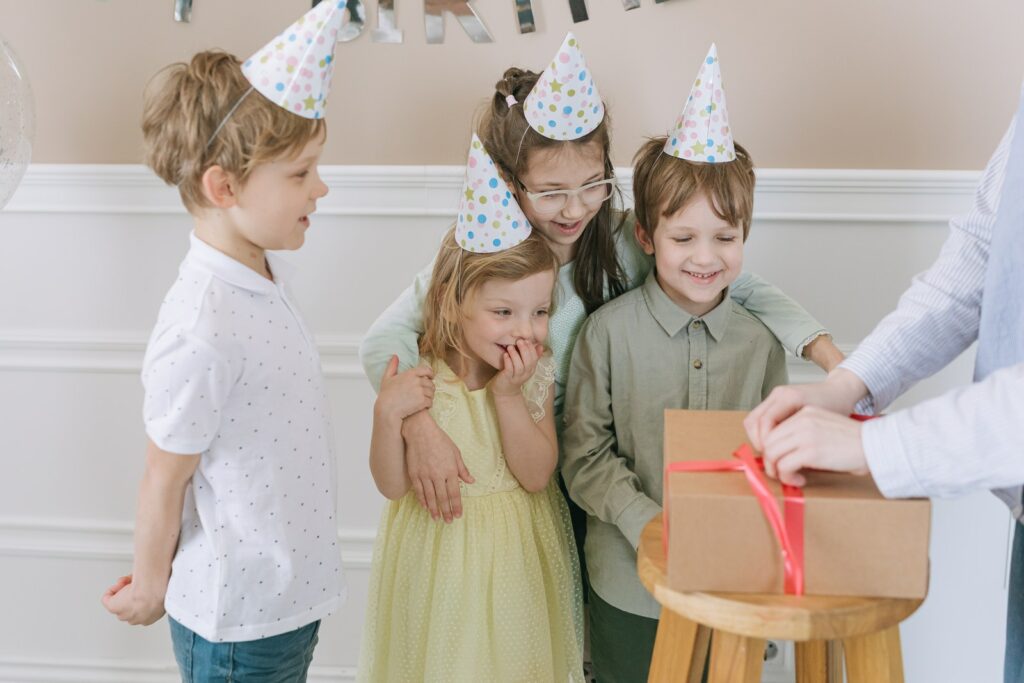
point(938, 316)
point(965, 439)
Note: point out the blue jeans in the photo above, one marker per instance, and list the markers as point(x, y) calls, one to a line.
point(283, 658)
point(1013, 669)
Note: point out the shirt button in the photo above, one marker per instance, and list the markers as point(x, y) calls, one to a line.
point(697, 364)
point(696, 324)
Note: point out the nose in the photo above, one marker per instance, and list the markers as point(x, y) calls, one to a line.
point(703, 253)
point(320, 189)
point(523, 329)
point(574, 208)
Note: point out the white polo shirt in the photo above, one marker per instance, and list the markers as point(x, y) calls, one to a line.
point(231, 372)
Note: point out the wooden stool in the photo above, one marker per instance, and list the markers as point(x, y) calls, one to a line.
point(867, 629)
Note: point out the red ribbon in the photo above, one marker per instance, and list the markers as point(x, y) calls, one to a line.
point(788, 529)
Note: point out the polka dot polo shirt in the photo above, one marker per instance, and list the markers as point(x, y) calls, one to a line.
point(231, 372)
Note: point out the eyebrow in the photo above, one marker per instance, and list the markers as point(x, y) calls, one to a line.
point(695, 228)
point(509, 303)
point(592, 179)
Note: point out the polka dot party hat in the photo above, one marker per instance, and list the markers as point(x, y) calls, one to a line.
point(490, 218)
point(565, 103)
point(294, 70)
point(702, 130)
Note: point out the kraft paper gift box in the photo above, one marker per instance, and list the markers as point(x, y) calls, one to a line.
point(855, 541)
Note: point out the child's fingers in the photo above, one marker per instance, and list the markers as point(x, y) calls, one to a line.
point(417, 487)
point(454, 496)
point(443, 501)
point(118, 585)
point(392, 369)
point(517, 361)
point(528, 352)
point(428, 493)
point(423, 371)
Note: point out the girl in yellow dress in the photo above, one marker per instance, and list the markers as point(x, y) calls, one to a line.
point(495, 595)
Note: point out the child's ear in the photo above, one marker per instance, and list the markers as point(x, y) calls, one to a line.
point(645, 242)
point(220, 187)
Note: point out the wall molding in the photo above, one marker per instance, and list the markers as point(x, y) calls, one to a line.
point(784, 195)
point(122, 353)
point(49, 670)
point(108, 353)
point(111, 540)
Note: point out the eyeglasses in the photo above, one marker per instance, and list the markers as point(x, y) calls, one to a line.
point(591, 195)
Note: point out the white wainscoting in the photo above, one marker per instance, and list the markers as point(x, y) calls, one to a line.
point(88, 252)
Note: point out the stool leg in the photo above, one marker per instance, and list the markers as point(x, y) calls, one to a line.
point(819, 661)
point(874, 658)
point(680, 649)
point(736, 659)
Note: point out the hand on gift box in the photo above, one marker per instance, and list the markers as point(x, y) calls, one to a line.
point(814, 438)
point(839, 393)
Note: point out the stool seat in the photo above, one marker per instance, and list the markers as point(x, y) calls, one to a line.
point(741, 622)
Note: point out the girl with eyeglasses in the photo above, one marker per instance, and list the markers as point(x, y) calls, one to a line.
point(561, 171)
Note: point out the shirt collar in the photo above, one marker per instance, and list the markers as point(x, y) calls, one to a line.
point(672, 318)
point(236, 273)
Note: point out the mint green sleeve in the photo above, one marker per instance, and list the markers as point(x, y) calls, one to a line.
point(788, 321)
point(396, 331)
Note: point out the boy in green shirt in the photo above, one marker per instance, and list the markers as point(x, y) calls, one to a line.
point(677, 341)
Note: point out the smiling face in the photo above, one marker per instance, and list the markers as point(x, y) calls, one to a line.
point(566, 166)
point(696, 255)
point(274, 204)
point(500, 313)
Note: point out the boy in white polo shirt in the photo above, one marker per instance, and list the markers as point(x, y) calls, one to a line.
point(236, 536)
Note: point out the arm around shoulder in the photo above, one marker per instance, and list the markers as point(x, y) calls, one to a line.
point(788, 321)
point(396, 331)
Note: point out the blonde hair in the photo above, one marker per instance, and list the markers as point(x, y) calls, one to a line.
point(662, 185)
point(181, 113)
point(457, 276)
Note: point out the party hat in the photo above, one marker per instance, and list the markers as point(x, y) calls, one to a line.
point(565, 103)
point(490, 218)
point(294, 70)
point(702, 130)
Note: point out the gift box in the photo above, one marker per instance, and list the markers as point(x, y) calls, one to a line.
point(853, 541)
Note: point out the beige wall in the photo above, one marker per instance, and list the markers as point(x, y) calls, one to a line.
point(810, 83)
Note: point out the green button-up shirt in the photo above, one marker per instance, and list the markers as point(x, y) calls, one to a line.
point(635, 357)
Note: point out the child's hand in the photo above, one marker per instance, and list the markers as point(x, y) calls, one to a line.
point(519, 364)
point(123, 602)
point(404, 394)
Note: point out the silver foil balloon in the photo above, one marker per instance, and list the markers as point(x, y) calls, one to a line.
point(183, 10)
point(578, 9)
point(355, 21)
point(387, 30)
point(433, 20)
point(17, 122)
point(524, 16)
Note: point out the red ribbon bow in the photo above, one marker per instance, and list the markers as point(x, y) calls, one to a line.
point(788, 529)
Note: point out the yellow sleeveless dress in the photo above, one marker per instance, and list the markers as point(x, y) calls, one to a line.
point(493, 596)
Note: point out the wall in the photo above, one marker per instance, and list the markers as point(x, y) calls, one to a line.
point(90, 250)
point(919, 84)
